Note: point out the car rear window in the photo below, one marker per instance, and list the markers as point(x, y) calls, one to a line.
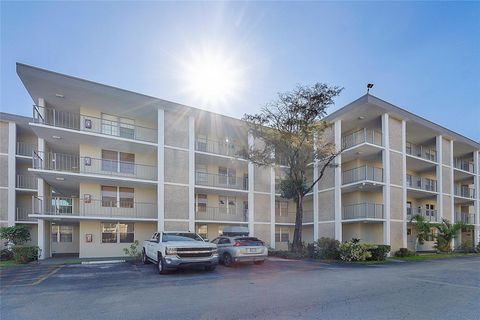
point(249, 241)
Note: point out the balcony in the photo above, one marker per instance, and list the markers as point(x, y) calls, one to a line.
point(221, 181)
point(465, 217)
point(284, 217)
point(464, 191)
point(25, 149)
point(307, 216)
point(362, 211)
point(86, 165)
point(90, 208)
point(219, 147)
point(421, 183)
point(464, 164)
point(22, 214)
point(90, 124)
point(361, 136)
point(429, 214)
point(221, 214)
point(26, 181)
point(363, 173)
point(422, 152)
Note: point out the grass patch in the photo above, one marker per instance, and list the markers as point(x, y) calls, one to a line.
point(434, 256)
point(73, 262)
point(10, 264)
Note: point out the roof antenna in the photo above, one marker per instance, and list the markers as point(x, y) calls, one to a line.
point(369, 86)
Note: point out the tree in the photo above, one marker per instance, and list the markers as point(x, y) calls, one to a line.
point(446, 233)
point(423, 227)
point(292, 127)
point(16, 235)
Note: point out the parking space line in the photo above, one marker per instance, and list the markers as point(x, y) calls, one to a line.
point(45, 276)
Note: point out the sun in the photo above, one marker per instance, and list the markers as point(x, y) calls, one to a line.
point(212, 78)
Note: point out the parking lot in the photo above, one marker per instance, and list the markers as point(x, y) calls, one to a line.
point(276, 290)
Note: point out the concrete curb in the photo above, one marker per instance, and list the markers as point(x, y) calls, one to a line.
point(103, 261)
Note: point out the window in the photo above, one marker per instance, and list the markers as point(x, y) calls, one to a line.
point(203, 231)
point(118, 126)
point(227, 204)
point(113, 161)
point(227, 176)
point(62, 233)
point(223, 241)
point(201, 204)
point(117, 197)
point(117, 232)
point(281, 235)
point(281, 208)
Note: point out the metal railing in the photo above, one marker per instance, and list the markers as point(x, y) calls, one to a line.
point(420, 151)
point(421, 183)
point(362, 173)
point(307, 216)
point(26, 181)
point(80, 122)
point(25, 149)
point(87, 165)
point(430, 214)
point(465, 217)
point(362, 136)
point(221, 181)
point(22, 214)
point(284, 217)
point(362, 211)
point(464, 164)
point(221, 214)
point(225, 148)
point(65, 206)
point(464, 191)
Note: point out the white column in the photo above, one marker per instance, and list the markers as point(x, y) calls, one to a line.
point(272, 207)
point(161, 171)
point(315, 192)
point(12, 176)
point(439, 170)
point(338, 182)
point(41, 228)
point(191, 173)
point(404, 183)
point(476, 234)
point(386, 170)
point(451, 215)
point(251, 215)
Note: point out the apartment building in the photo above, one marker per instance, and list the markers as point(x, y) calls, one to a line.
point(97, 167)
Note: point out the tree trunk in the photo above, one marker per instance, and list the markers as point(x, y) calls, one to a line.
point(297, 235)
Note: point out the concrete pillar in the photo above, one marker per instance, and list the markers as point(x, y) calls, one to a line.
point(251, 185)
point(272, 207)
point(191, 173)
point(476, 233)
point(161, 171)
point(338, 182)
point(451, 215)
point(12, 172)
point(386, 170)
point(439, 175)
point(404, 184)
point(315, 195)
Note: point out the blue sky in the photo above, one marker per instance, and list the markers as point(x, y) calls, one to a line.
point(422, 56)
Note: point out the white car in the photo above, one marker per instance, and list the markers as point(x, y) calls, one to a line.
point(240, 249)
point(173, 250)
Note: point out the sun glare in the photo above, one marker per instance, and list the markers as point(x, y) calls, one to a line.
point(212, 78)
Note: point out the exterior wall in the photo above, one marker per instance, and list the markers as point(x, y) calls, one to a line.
point(396, 203)
point(3, 205)
point(175, 205)
point(366, 232)
point(395, 136)
point(262, 232)
point(176, 130)
point(326, 206)
point(262, 207)
point(361, 197)
point(176, 226)
point(67, 247)
point(176, 166)
point(261, 179)
point(96, 248)
point(446, 154)
point(396, 235)
point(396, 174)
point(326, 230)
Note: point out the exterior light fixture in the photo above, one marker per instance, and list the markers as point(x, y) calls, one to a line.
point(369, 86)
point(58, 95)
point(56, 137)
point(59, 179)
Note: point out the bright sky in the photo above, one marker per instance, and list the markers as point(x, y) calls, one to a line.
point(424, 57)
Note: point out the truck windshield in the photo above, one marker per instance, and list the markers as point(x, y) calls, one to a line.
point(180, 237)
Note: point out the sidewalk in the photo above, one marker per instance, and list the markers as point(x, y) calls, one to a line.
point(72, 260)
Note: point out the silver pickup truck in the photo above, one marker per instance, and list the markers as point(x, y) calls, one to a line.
point(173, 250)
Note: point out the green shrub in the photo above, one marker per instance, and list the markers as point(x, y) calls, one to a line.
point(404, 252)
point(326, 248)
point(284, 254)
point(6, 254)
point(354, 251)
point(25, 254)
point(467, 246)
point(478, 247)
point(16, 235)
point(379, 252)
point(133, 251)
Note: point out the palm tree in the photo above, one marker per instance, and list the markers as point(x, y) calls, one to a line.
point(446, 233)
point(423, 227)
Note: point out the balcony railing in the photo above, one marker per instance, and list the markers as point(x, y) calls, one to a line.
point(307, 216)
point(363, 211)
point(26, 181)
point(362, 173)
point(220, 147)
point(429, 214)
point(284, 217)
point(464, 164)
point(87, 165)
point(420, 151)
point(25, 149)
point(465, 217)
point(221, 214)
point(464, 191)
point(85, 123)
point(62, 206)
point(362, 136)
point(221, 181)
point(22, 214)
point(421, 183)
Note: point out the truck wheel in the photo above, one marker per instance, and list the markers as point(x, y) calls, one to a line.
point(144, 257)
point(259, 262)
point(210, 268)
point(227, 260)
point(161, 265)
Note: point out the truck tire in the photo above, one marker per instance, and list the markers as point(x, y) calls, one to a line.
point(161, 265)
point(227, 260)
point(210, 268)
point(259, 262)
point(144, 257)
